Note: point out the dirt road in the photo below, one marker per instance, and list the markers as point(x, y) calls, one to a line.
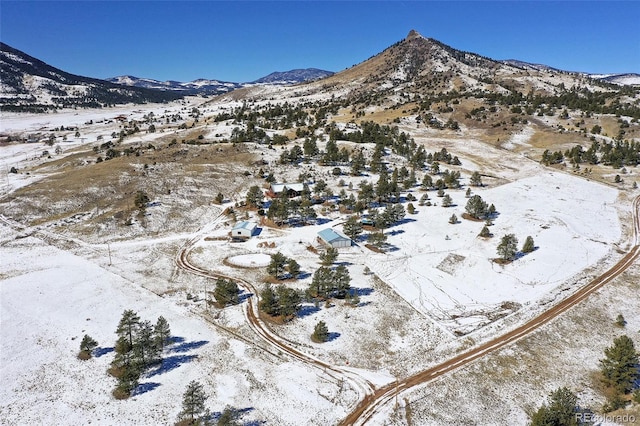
point(359, 384)
point(373, 403)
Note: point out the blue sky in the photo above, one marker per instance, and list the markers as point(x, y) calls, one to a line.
point(242, 41)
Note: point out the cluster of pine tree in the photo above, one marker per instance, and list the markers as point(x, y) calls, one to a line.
point(283, 302)
point(226, 292)
point(284, 209)
point(139, 345)
point(281, 264)
point(392, 213)
point(327, 283)
point(477, 208)
point(616, 154)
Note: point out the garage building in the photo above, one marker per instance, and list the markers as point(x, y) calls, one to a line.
point(333, 239)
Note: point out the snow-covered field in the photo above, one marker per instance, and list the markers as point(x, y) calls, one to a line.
point(51, 298)
point(446, 271)
point(433, 292)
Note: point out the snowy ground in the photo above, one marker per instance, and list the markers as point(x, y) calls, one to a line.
point(446, 271)
point(435, 283)
point(47, 309)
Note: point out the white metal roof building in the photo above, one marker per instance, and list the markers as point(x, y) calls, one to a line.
point(333, 239)
point(244, 229)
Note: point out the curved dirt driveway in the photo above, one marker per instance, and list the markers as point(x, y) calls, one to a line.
point(360, 385)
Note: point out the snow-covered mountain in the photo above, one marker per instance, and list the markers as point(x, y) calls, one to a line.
point(626, 79)
point(215, 87)
point(200, 86)
point(418, 67)
point(28, 84)
point(528, 66)
point(294, 76)
point(421, 64)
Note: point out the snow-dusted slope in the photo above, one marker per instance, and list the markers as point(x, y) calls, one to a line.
point(200, 86)
point(30, 84)
point(216, 87)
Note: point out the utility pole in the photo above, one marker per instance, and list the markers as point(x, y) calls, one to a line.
point(109, 248)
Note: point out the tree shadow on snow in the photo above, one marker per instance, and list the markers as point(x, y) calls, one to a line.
point(244, 296)
point(363, 291)
point(307, 310)
point(238, 413)
point(403, 221)
point(171, 363)
point(332, 336)
point(145, 387)
point(303, 275)
point(187, 346)
point(98, 352)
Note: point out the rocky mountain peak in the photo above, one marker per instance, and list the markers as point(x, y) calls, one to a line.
point(413, 34)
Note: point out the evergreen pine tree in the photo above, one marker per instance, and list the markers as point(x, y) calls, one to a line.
point(560, 409)
point(528, 245)
point(320, 332)
point(476, 179)
point(476, 207)
point(128, 326)
point(162, 332)
point(321, 282)
point(341, 281)
point(277, 265)
point(352, 227)
point(507, 248)
point(288, 301)
point(378, 239)
point(87, 346)
point(193, 403)
point(254, 196)
point(329, 256)
point(268, 302)
point(228, 417)
point(145, 346)
point(293, 268)
point(619, 368)
point(485, 233)
point(225, 292)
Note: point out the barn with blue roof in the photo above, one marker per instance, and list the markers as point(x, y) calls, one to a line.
point(331, 238)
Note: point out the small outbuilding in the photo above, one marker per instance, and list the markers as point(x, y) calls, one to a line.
point(331, 238)
point(243, 230)
point(292, 189)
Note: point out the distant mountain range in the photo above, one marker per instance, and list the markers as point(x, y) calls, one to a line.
point(622, 79)
point(196, 87)
point(215, 87)
point(417, 64)
point(28, 84)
